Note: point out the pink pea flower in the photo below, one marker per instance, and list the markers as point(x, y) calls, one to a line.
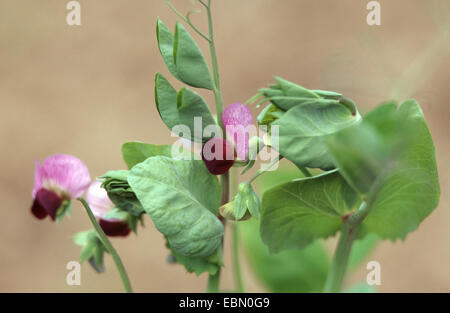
point(237, 119)
point(100, 204)
point(60, 178)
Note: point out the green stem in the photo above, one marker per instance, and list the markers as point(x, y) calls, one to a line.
point(237, 265)
point(187, 19)
point(305, 171)
point(108, 246)
point(213, 282)
point(340, 259)
point(215, 67)
point(341, 255)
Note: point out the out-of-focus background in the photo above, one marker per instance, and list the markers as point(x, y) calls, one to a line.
point(84, 90)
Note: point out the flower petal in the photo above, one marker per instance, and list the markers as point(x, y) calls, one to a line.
point(218, 155)
point(46, 203)
point(114, 228)
point(64, 172)
point(37, 179)
point(237, 118)
point(98, 200)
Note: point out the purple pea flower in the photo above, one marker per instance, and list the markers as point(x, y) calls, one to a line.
point(236, 119)
point(60, 178)
point(100, 204)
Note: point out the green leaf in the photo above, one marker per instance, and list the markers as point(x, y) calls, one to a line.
point(199, 265)
point(292, 270)
point(360, 163)
point(191, 66)
point(269, 114)
point(165, 44)
point(120, 192)
point(92, 249)
point(246, 200)
point(406, 189)
point(181, 108)
point(137, 152)
point(298, 212)
point(293, 90)
point(182, 198)
point(302, 129)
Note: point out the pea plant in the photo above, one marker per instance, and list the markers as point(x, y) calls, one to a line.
point(357, 177)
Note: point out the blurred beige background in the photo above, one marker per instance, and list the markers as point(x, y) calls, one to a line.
point(85, 90)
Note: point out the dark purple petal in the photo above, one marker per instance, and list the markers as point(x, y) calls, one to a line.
point(46, 201)
point(114, 228)
point(38, 211)
point(218, 162)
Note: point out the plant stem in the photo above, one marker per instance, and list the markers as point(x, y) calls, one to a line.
point(213, 282)
point(340, 259)
point(237, 266)
point(215, 67)
point(304, 171)
point(108, 246)
point(341, 255)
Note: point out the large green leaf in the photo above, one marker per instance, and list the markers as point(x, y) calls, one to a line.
point(293, 270)
point(296, 213)
point(391, 158)
point(181, 108)
point(136, 152)
point(182, 198)
point(302, 129)
point(189, 61)
point(165, 44)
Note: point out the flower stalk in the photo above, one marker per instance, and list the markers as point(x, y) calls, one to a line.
point(109, 247)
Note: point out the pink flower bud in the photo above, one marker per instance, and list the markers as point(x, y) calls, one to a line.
point(236, 119)
point(100, 204)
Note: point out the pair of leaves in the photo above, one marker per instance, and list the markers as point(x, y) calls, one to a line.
point(92, 249)
point(183, 57)
point(182, 199)
point(390, 158)
point(304, 117)
point(246, 200)
point(186, 62)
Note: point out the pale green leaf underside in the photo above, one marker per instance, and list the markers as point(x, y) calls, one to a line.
point(182, 199)
point(182, 108)
point(191, 65)
point(302, 129)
